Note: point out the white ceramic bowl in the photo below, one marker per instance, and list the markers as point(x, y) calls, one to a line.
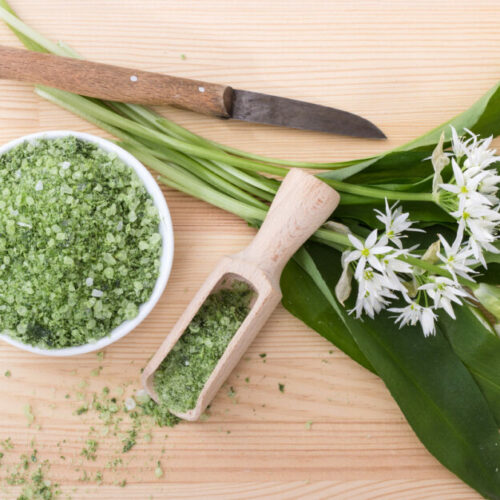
point(165, 231)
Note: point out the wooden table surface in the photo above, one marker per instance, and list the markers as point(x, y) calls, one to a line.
point(406, 65)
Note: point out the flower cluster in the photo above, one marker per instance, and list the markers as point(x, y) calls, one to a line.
point(470, 196)
point(386, 272)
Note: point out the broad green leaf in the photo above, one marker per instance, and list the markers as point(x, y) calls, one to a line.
point(439, 397)
point(479, 349)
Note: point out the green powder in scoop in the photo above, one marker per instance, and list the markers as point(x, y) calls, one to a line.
point(183, 373)
point(79, 243)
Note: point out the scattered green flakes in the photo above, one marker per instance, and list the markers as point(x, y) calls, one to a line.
point(7, 444)
point(281, 387)
point(83, 384)
point(89, 452)
point(231, 393)
point(79, 249)
point(148, 437)
point(98, 477)
point(330, 351)
point(122, 483)
point(67, 396)
point(8, 373)
point(247, 380)
point(308, 425)
point(100, 356)
point(85, 477)
point(183, 373)
point(204, 416)
point(183, 57)
point(263, 357)
point(115, 463)
point(130, 441)
point(28, 413)
point(158, 470)
point(31, 475)
point(160, 413)
point(83, 409)
point(96, 371)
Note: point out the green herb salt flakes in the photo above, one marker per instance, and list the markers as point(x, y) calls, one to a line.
point(182, 375)
point(79, 243)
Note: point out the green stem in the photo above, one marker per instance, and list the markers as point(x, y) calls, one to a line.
point(197, 169)
point(191, 136)
point(369, 192)
point(31, 39)
point(434, 269)
point(249, 188)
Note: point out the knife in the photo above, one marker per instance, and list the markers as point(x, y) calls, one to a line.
point(115, 83)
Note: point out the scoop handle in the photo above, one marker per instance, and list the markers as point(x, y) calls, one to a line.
point(303, 202)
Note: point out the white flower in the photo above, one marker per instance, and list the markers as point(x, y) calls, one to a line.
point(414, 313)
point(396, 222)
point(443, 291)
point(479, 155)
point(374, 290)
point(427, 321)
point(457, 258)
point(471, 195)
point(367, 252)
point(480, 220)
point(465, 185)
point(489, 186)
point(394, 265)
point(460, 147)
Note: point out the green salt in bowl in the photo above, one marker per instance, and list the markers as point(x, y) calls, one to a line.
point(165, 231)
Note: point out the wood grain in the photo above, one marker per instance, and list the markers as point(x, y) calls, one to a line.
point(407, 66)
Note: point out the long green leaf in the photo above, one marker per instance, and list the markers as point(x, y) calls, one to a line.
point(479, 349)
point(435, 391)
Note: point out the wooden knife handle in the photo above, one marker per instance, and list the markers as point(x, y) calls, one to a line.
point(114, 83)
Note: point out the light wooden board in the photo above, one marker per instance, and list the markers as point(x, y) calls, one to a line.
point(406, 65)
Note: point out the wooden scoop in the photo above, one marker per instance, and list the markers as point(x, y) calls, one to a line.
point(301, 205)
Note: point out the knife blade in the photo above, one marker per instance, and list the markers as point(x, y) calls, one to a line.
point(281, 111)
point(115, 83)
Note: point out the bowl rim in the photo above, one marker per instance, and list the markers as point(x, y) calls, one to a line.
point(165, 229)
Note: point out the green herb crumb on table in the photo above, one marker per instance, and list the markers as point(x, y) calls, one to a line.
point(80, 248)
point(183, 373)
